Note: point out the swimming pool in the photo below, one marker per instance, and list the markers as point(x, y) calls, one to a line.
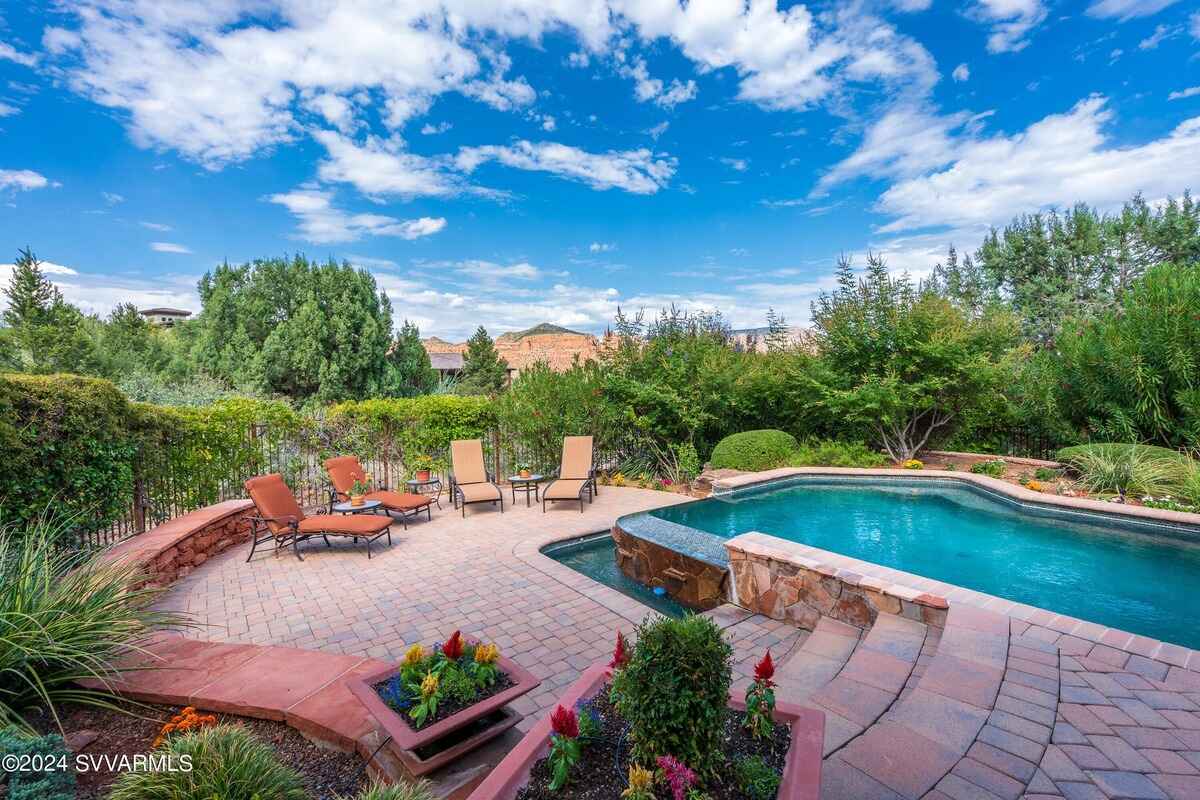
point(595, 556)
point(1141, 578)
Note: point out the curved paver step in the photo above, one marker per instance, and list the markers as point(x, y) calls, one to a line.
point(925, 739)
point(852, 680)
point(817, 661)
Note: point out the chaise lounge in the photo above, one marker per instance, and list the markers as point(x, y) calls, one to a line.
point(345, 470)
point(469, 481)
point(575, 475)
point(282, 520)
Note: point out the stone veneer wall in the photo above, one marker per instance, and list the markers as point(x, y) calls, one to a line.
point(771, 579)
point(173, 549)
point(695, 583)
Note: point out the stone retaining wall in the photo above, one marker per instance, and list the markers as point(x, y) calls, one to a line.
point(695, 583)
point(175, 548)
point(771, 578)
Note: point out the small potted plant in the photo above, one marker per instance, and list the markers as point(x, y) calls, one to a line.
point(523, 470)
point(359, 490)
point(423, 466)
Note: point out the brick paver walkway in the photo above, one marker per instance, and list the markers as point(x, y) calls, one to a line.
point(482, 574)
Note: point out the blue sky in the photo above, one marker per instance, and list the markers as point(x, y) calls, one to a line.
point(508, 163)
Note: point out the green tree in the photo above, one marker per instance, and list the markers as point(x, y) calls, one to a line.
point(484, 372)
point(410, 372)
point(295, 327)
point(778, 335)
point(48, 334)
point(129, 344)
point(901, 359)
point(1132, 373)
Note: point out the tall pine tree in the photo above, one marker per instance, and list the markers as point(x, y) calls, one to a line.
point(484, 372)
point(409, 371)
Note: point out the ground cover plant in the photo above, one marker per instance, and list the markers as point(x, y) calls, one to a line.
point(993, 468)
point(661, 728)
point(436, 683)
point(1126, 469)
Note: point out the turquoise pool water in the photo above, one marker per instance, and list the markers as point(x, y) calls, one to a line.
point(1140, 579)
point(595, 556)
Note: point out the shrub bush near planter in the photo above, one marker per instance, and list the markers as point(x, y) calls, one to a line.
point(752, 451)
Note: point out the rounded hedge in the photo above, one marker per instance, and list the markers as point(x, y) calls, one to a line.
point(752, 451)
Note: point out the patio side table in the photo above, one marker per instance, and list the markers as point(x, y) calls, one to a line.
point(431, 487)
point(525, 485)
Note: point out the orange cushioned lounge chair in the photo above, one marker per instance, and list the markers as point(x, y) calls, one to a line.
point(281, 519)
point(470, 482)
point(575, 476)
point(345, 470)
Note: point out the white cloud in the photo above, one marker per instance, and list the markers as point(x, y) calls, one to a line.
point(99, 294)
point(1127, 9)
point(579, 60)
point(961, 73)
point(169, 247)
point(1183, 94)
point(10, 53)
point(429, 129)
point(638, 171)
point(381, 168)
point(23, 180)
point(1059, 159)
point(602, 247)
point(492, 273)
point(222, 81)
point(1194, 26)
point(155, 226)
point(738, 164)
point(905, 141)
point(549, 123)
point(658, 130)
point(112, 198)
point(1161, 34)
point(47, 267)
point(322, 223)
point(646, 88)
point(7, 110)
point(1011, 22)
point(911, 5)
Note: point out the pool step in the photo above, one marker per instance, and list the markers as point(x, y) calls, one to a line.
point(871, 680)
point(923, 745)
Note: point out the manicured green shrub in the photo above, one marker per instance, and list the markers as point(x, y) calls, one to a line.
point(1125, 469)
point(834, 453)
point(64, 617)
point(227, 762)
point(754, 450)
point(674, 691)
point(757, 779)
point(53, 784)
point(66, 441)
point(993, 468)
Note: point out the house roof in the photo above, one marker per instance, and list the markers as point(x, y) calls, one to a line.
point(446, 361)
point(174, 312)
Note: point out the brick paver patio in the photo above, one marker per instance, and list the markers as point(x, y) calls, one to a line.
point(482, 574)
point(1039, 712)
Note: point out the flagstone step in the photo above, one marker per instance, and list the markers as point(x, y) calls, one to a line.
point(817, 661)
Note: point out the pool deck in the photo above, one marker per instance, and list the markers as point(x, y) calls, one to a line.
point(1083, 711)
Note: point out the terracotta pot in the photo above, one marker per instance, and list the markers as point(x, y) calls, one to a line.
point(408, 740)
point(524, 473)
point(801, 771)
point(422, 475)
point(357, 499)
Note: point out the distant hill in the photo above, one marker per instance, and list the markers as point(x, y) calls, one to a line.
point(543, 329)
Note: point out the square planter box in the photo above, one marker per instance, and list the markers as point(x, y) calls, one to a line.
point(408, 741)
point(801, 771)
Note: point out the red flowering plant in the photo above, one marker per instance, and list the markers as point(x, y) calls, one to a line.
point(453, 648)
point(565, 746)
point(760, 699)
point(620, 653)
point(677, 775)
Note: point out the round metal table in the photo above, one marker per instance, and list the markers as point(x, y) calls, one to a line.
point(525, 485)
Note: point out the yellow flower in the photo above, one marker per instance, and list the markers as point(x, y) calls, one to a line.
point(1034, 486)
point(486, 653)
point(413, 656)
point(912, 463)
point(641, 782)
point(429, 686)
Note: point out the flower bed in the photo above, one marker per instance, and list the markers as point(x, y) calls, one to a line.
point(442, 702)
point(596, 744)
